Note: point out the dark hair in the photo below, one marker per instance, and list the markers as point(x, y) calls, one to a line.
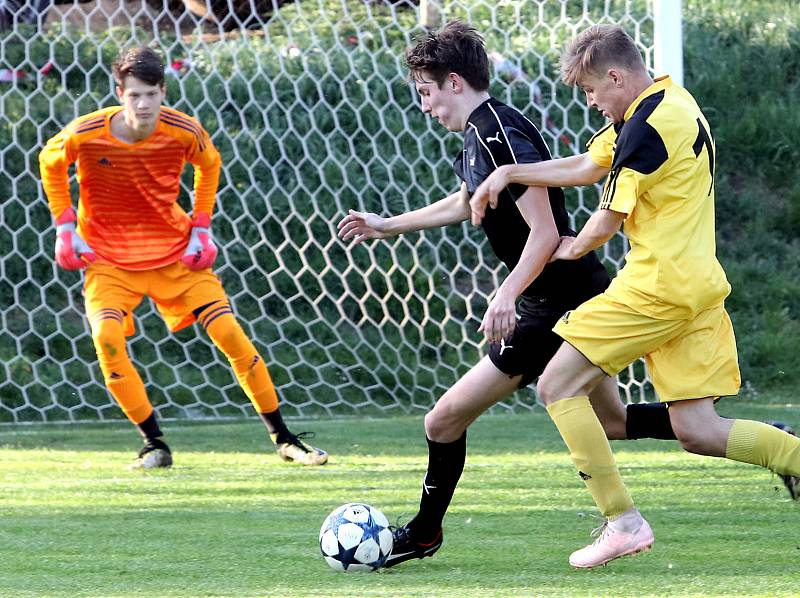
point(143, 63)
point(596, 49)
point(456, 48)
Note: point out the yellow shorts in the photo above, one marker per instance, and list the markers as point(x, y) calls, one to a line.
point(176, 291)
point(686, 359)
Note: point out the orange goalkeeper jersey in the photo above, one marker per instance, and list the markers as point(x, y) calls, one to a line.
point(128, 211)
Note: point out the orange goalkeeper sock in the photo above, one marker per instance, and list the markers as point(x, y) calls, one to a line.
point(121, 378)
point(247, 364)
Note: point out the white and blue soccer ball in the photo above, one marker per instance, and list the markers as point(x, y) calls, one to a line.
point(355, 537)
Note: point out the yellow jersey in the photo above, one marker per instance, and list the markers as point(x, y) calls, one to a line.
point(661, 160)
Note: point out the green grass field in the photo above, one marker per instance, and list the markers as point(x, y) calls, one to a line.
point(231, 520)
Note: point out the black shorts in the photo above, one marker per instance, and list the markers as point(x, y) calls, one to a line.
point(533, 343)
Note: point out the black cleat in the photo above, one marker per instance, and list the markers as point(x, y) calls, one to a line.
point(791, 482)
point(406, 547)
point(155, 453)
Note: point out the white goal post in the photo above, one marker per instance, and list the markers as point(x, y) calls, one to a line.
point(313, 114)
point(668, 39)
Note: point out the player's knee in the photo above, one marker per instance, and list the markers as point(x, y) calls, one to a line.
point(229, 337)
point(109, 340)
point(547, 390)
point(442, 423)
point(434, 424)
point(693, 445)
point(223, 332)
point(691, 439)
point(554, 385)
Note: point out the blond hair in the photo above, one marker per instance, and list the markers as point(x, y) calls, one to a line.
point(597, 49)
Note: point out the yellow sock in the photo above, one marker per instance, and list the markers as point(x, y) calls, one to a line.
point(591, 454)
point(121, 378)
point(764, 445)
point(247, 364)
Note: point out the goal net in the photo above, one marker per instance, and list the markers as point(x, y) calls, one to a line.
point(310, 106)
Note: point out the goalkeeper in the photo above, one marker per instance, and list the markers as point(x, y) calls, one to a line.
point(134, 240)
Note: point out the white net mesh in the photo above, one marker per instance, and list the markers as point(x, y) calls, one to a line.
point(312, 112)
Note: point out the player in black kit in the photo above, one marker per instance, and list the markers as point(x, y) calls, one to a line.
point(450, 69)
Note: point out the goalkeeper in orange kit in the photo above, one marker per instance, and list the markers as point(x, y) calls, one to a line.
point(134, 240)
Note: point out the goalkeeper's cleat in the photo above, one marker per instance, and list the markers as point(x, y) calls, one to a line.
point(407, 547)
point(627, 535)
point(294, 449)
point(791, 482)
point(154, 454)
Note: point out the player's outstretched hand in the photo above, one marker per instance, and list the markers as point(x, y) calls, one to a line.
point(72, 252)
point(201, 251)
point(361, 226)
point(486, 194)
point(500, 318)
point(563, 251)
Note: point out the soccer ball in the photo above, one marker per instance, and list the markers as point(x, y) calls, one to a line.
point(355, 537)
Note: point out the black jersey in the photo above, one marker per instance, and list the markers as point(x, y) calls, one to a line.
point(497, 134)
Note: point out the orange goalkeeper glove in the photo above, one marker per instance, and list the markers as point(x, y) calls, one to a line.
point(72, 252)
point(201, 250)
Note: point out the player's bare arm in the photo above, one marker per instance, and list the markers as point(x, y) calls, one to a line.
point(600, 227)
point(501, 315)
point(361, 226)
point(572, 171)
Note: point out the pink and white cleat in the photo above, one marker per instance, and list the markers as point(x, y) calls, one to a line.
point(626, 535)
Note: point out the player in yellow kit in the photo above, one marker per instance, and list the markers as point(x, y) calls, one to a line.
point(135, 241)
point(666, 304)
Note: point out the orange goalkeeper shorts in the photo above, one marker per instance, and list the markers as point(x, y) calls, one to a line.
point(175, 289)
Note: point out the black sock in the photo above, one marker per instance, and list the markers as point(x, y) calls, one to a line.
point(149, 428)
point(275, 426)
point(648, 420)
point(445, 465)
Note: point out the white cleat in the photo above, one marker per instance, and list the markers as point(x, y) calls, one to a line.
point(627, 535)
point(153, 458)
point(297, 451)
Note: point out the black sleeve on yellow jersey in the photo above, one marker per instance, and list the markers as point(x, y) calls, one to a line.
point(598, 133)
point(639, 145)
